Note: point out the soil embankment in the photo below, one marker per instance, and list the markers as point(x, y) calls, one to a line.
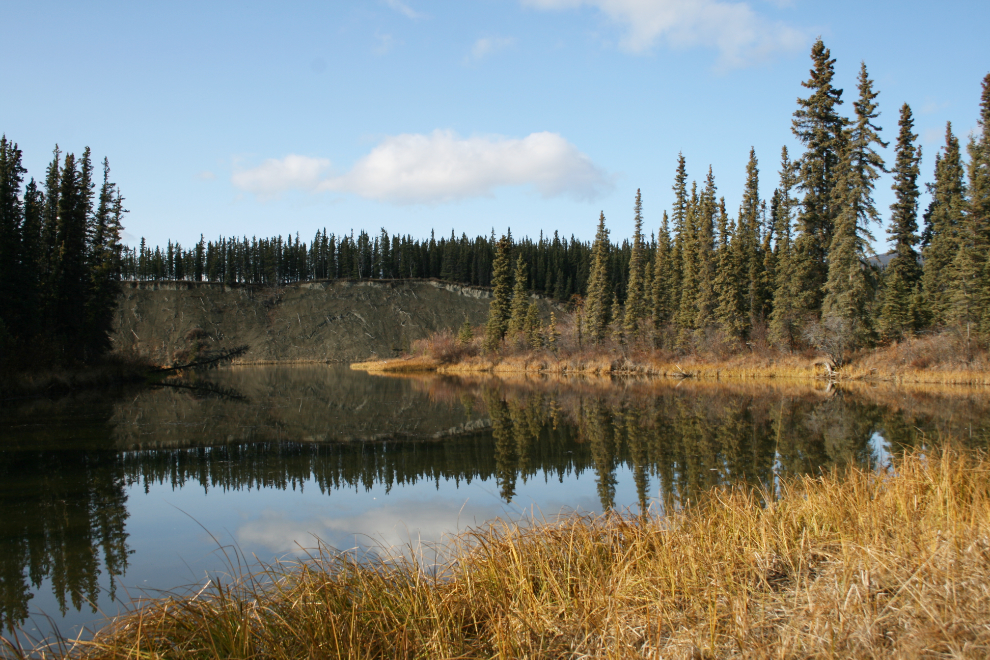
point(335, 321)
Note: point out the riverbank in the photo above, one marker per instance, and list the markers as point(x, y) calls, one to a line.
point(113, 371)
point(935, 359)
point(863, 564)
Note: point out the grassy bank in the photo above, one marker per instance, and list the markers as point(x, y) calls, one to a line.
point(946, 358)
point(854, 565)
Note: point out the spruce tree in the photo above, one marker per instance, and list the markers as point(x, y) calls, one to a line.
point(596, 305)
point(680, 230)
point(819, 127)
point(902, 276)
point(979, 191)
point(786, 315)
point(730, 313)
point(686, 311)
point(532, 327)
point(747, 243)
point(499, 309)
point(943, 220)
point(849, 289)
point(663, 277)
point(520, 299)
point(969, 290)
point(706, 300)
point(635, 294)
point(11, 219)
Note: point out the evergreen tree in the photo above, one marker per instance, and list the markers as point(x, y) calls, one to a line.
point(979, 191)
point(849, 289)
point(635, 289)
point(729, 281)
point(786, 314)
point(747, 244)
point(706, 259)
point(680, 231)
point(520, 299)
point(11, 220)
point(532, 327)
point(902, 276)
point(499, 309)
point(466, 333)
point(663, 277)
point(686, 312)
point(969, 291)
point(943, 220)
point(819, 127)
point(596, 310)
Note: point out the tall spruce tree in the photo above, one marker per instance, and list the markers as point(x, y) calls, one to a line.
point(499, 310)
point(943, 219)
point(663, 276)
point(747, 243)
point(850, 286)
point(786, 315)
point(686, 311)
point(979, 190)
point(11, 220)
point(635, 289)
point(969, 291)
point(902, 277)
point(706, 300)
point(679, 218)
point(730, 312)
point(819, 127)
point(596, 304)
point(520, 298)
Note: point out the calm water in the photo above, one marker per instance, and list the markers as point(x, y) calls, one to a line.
point(103, 498)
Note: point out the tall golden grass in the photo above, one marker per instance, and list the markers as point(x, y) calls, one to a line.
point(859, 564)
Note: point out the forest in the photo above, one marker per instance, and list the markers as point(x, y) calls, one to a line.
point(788, 271)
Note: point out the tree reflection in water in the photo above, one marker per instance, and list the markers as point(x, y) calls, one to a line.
point(64, 482)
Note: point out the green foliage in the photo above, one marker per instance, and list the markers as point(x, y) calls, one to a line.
point(532, 327)
point(520, 299)
point(820, 128)
point(635, 289)
point(849, 290)
point(943, 218)
point(59, 260)
point(596, 310)
point(499, 311)
point(465, 334)
point(899, 315)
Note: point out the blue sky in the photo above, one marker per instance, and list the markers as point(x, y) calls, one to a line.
point(264, 118)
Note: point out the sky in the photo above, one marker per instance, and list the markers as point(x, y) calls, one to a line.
point(252, 118)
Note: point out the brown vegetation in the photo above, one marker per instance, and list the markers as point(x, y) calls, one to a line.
point(861, 564)
point(946, 358)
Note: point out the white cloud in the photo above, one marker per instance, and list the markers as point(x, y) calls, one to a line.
point(403, 9)
point(488, 45)
point(439, 167)
point(442, 167)
point(741, 36)
point(384, 43)
point(276, 176)
point(206, 175)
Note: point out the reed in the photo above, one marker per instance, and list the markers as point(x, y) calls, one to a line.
point(858, 564)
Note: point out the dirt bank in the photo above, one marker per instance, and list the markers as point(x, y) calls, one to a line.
point(337, 321)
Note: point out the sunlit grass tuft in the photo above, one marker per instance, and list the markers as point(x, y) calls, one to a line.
point(858, 564)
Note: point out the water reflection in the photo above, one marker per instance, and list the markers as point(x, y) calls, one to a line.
point(66, 468)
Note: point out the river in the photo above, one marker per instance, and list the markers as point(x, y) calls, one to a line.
point(105, 498)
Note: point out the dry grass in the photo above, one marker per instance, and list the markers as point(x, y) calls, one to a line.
point(854, 565)
point(398, 365)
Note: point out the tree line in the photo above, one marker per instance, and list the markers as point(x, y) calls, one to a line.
point(59, 258)
point(794, 271)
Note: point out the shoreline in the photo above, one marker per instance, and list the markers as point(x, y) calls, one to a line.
point(789, 367)
point(851, 563)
